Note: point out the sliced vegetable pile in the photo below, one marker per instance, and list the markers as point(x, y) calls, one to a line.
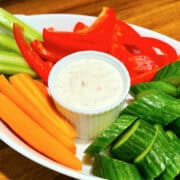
point(137, 141)
point(143, 142)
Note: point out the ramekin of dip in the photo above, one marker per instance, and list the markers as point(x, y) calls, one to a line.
point(89, 88)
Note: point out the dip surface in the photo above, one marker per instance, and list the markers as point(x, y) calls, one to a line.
point(88, 84)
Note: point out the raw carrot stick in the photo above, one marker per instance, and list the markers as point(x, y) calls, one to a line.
point(7, 89)
point(34, 135)
point(42, 87)
point(24, 84)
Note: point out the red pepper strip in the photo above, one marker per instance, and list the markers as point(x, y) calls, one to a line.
point(165, 48)
point(96, 37)
point(79, 26)
point(41, 67)
point(127, 36)
point(70, 41)
point(125, 33)
point(144, 77)
point(44, 52)
point(141, 63)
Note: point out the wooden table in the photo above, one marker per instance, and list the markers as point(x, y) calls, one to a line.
point(161, 15)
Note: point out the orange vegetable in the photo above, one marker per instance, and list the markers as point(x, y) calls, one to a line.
point(42, 87)
point(34, 135)
point(7, 89)
point(27, 88)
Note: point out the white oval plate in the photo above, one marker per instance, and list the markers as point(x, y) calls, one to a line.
point(64, 22)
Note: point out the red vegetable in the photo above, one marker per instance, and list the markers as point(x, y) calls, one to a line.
point(46, 53)
point(167, 50)
point(41, 67)
point(79, 26)
point(144, 77)
point(95, 37)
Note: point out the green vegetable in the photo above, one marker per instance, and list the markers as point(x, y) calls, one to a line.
point(134, 141)
point(8, 43)
point(110, 134)
point(7, 20)
point(175, 126)
point(170, 73)
point(10, 70)
point(157, 107)
point(173, 168)
point(12, 63)
point(113, 169)
point(142, 89)
point(153, 160)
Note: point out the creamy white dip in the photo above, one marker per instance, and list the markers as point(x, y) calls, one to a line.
point(88, 84)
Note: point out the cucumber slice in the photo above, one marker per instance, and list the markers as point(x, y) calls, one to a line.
point(113, 169)
point(110, 134)
point(157, 107)
point(175, 127)
point(153, 160)
point(134, 141)
point(144, 88)
point(170, 73)
point(173, 168)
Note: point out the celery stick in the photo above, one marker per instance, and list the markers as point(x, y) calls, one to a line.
point(12, 59)
point(8, 43)
point(13, 69)
point(7, 19)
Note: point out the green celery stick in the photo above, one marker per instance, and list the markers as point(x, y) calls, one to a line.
point(12, 58)
point(8, 43)
point(7, 19)
point(13, 69)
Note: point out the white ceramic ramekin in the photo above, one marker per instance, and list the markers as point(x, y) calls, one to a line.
point(89, 123)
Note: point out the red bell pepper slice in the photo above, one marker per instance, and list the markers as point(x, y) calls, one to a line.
point(127, 36)
point(46, 53)
point(79, 26)
point(125, 33)
point(168, 51)
point(95, 37)
point(144, 77)
point(41, 67)
point(141, 63)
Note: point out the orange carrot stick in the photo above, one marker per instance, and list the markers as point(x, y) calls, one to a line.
point(25, 85)
point(34, 135)
point(7, 89)
point(42, 87)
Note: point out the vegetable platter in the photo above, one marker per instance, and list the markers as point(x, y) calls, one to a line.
point(151, 120)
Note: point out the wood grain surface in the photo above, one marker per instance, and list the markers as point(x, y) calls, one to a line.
point(159, 15)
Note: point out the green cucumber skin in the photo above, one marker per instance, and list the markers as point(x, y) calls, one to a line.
point(10, 70)
point(170, 73)
point(113, 169)
point(154, 162)
point(173, 168)
point(7, 20)
point(149, 87)
point(136, 143)
point(175, 126)
point(110, 134)
point(8, 43)
point(155, 108)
